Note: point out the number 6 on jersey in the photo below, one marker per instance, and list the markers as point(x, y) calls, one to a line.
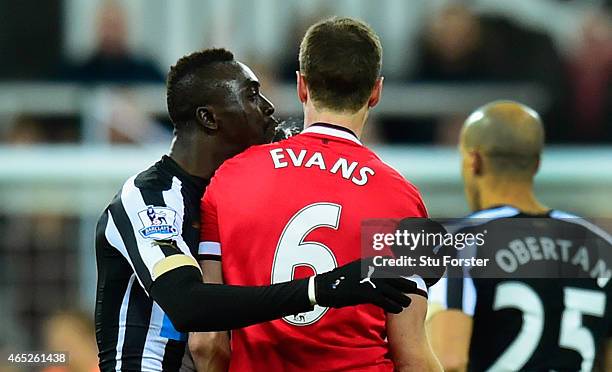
point(292, 251)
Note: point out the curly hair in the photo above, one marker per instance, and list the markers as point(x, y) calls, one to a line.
point(180, 83)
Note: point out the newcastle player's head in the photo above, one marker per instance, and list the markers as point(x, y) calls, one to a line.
point(501, 144)
point(339, 78)
point(215, 106)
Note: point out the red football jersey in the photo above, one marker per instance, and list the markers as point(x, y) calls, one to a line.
point(292, 208)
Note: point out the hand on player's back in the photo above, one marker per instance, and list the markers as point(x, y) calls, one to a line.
point(346, 286)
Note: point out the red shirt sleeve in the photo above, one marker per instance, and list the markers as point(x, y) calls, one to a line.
point(421, 207)
point(209, 228)
point(415, 202)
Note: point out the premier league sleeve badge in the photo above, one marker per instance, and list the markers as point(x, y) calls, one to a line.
point(158, 223)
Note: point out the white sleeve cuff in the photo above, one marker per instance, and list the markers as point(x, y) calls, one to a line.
point(213, 248)
point(438, 293)
point(420, 283)
point(311, 291)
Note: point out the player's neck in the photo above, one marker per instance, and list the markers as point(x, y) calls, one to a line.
point(353, 121)
point(196, 159)
point(519, 195)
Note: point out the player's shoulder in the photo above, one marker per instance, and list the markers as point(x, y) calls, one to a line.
point(153, 178)
point(580, 223)
point(386, 170)
point(494, 213)
point(151, 181)
point(482, 217)
point(152, 202)
point(250, 158)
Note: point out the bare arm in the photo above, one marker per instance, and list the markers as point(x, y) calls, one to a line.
point(210, 350)
point(450, 332)
point(410, 348)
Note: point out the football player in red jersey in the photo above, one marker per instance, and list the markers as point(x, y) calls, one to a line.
point(306, 199)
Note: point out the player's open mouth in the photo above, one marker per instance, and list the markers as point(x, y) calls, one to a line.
point(271, 124)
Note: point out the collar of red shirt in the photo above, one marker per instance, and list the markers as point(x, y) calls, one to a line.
point(334, 131)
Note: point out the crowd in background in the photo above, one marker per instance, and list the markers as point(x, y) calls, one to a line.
point(455, 45)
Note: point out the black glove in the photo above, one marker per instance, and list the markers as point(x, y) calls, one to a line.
point(432, 272)
point(345, 286)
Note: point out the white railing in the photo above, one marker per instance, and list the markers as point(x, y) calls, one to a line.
point(410, 99)
point(81, 179)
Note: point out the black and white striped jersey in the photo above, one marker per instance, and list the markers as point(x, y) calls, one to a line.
point(154, 215)
point(544, 301)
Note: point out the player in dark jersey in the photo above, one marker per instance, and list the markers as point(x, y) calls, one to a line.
point(543, 301)
point(150, 289)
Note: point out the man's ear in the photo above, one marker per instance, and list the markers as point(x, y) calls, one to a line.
point(476, 162)
point(302, 87)
point(376, 92)
point(206, 118)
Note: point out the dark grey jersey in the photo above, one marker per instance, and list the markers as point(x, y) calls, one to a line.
point(544, 300)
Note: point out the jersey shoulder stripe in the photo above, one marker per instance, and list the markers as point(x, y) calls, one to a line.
point(495, 213)
point(124, 227)
point(571, 218)
point(480, 218)
point(131, 211)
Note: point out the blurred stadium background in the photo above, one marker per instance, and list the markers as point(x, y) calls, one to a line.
point(82, 107)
